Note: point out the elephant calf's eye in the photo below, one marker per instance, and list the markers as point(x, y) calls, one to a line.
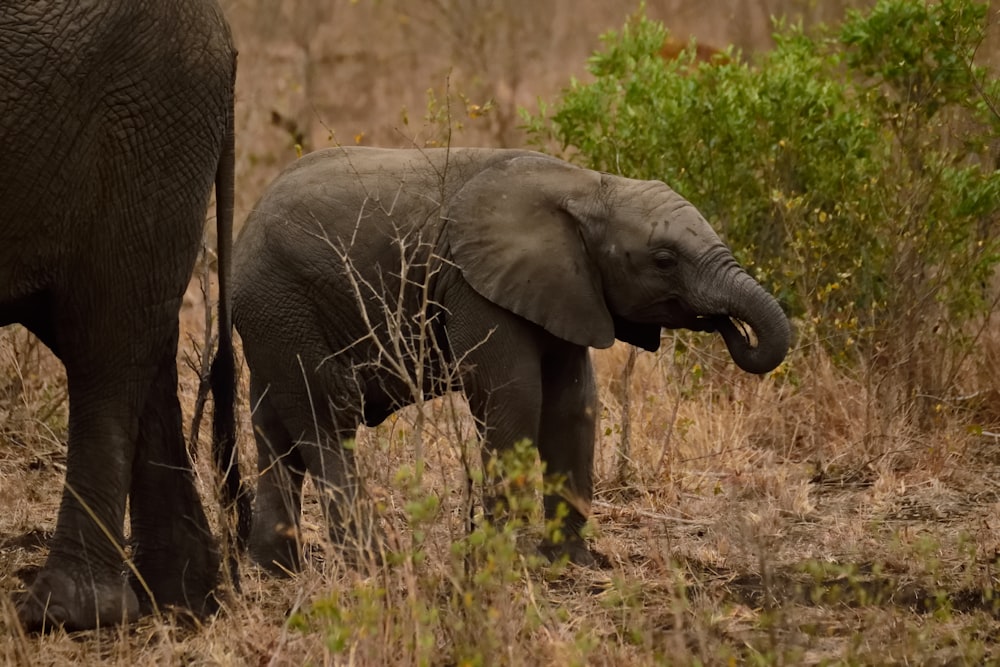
point(665, 260)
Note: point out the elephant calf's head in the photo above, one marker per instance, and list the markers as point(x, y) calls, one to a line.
point(593, 257)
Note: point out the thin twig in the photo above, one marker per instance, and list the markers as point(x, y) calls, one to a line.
point(650, 514)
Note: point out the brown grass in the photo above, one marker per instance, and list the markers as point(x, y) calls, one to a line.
point(782, 520)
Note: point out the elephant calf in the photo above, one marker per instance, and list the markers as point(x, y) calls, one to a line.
point(364, 277)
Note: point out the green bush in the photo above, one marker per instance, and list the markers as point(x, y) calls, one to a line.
point(854, 172)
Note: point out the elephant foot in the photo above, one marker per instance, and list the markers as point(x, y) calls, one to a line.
point(577, 551)
point(75, 601)
point(176, 580)
point(276, 548)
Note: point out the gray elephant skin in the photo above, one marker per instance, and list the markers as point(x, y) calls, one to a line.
point(366, 276)
point(115, 123)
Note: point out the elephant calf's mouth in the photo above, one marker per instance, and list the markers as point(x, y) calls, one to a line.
point(679, 315)
point(704, 323)
point(719, 323)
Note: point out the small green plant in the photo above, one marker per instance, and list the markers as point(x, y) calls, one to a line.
point(492, 595)
point(449, 112)
point(480, 599)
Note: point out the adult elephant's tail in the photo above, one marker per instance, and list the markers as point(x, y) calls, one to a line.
point(223, 373)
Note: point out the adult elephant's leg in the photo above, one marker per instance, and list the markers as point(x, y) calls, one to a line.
point(275, 539)
point(566, 445)
point(81, 583)
point(174, 550)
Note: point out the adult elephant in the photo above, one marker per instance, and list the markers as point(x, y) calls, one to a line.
point(365, 277)
point(116, 118)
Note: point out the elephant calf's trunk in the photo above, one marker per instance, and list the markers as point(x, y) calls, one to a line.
point(759, 358)
point(762, 314)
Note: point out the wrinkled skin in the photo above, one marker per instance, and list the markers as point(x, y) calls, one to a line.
point(115, 121)
point(518, 262)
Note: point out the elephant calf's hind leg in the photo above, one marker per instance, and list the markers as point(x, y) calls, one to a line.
point(274, 536)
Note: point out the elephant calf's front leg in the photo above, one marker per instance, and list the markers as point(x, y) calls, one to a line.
point(566, 446)
point(510, 410)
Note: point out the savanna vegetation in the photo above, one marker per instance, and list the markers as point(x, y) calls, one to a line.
point(841, 510)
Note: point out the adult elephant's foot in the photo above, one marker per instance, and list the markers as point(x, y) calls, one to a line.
point(75, 601)
point(176, 579)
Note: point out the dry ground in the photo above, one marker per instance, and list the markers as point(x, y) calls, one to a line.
point(764, 521)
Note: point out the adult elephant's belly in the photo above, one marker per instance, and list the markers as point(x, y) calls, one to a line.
point(23, 290)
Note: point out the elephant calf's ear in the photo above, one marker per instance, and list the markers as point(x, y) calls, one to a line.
point(516, 245)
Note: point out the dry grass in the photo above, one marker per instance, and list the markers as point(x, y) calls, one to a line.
point(782, 520)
